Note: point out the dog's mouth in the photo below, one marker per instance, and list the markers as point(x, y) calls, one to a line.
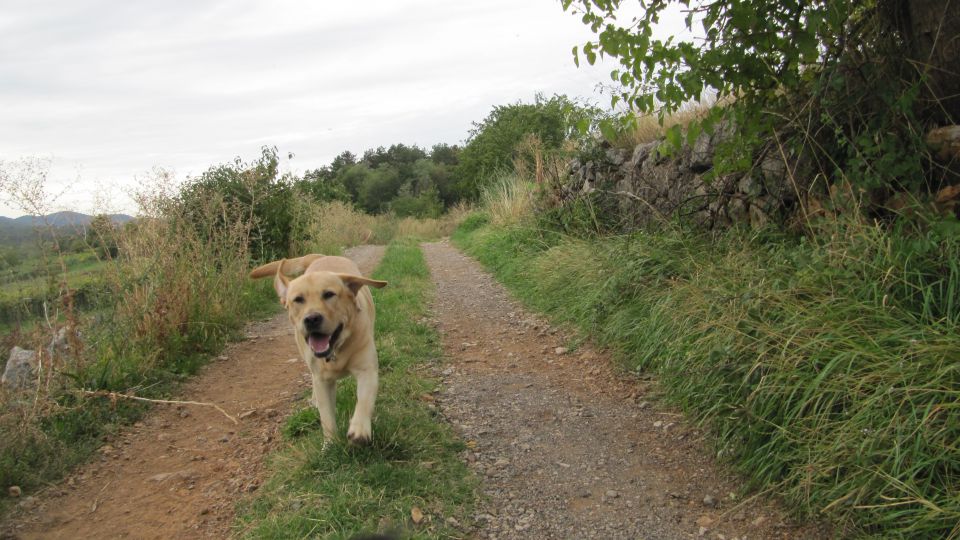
point(322, 344)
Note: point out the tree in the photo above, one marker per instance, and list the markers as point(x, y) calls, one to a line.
point(444, 154)
point(493, 141)
point(379, 187)
point(830, 77)
point(248, 190)
point(321, 184)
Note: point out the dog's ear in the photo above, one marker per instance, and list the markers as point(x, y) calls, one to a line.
point(280, 283)
point(292, 267)
point(354, 283)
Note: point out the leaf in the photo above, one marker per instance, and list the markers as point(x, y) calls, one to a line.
point(673, 136)
point(576, 55)
point(608, 130)
point(693, 131)
point(588, 51)
point(583, 126)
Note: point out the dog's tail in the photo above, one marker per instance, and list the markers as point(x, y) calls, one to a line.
point(291, 267)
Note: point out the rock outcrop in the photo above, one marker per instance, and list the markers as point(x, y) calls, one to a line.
point(650, 186)
point(20, 370)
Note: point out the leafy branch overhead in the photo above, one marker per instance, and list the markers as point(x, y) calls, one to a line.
point(744, 48)
point(854, 81)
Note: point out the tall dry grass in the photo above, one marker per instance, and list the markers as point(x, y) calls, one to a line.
point(509, 199)
point(646, 128)
point(174, 291)
point(330, 227)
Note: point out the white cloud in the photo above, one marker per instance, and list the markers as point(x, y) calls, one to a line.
point(111, 89)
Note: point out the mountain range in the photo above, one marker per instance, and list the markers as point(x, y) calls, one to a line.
point(57, 219)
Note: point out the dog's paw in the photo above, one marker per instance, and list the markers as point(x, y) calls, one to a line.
point(359, 433)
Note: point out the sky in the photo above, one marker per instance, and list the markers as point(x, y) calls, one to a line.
point(109, 91)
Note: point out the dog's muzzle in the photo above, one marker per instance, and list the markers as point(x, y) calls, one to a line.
point(322, 344)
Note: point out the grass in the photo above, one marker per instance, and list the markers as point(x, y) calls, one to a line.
point(646, 128)
point(413, 460)
point(173, 296)
point(329, 227)
point(25, 288)
point(508, 200)
point(827, 368)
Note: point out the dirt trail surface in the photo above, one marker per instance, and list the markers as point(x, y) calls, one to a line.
point(180, 472)
point(566, 447)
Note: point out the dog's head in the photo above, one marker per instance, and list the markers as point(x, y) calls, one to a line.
point(321, 306)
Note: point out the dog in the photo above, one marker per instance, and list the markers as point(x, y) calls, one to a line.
point(331, 310)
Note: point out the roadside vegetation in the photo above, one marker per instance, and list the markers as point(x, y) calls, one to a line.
point(409, 480)
point(821, 350)
point(826, 370)
point(819, 347)
point(117, 311)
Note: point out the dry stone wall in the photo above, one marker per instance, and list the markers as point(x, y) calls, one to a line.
point(650, 187)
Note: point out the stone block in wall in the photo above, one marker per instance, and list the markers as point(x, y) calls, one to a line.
point(776, 176)
point(617, 156)
point(701, 155)
point(750, 186)
point(641, 152)
point(737, 210)
point(758, 217)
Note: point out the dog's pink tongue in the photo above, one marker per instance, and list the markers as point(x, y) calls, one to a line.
point(319, 344)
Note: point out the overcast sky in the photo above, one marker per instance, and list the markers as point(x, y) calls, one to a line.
point(111, 89)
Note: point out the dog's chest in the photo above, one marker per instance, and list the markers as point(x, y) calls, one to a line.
point(335, 368)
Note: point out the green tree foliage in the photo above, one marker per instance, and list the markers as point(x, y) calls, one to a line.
point(493, 142)
point(321, 185)
point(380, 186)
point(252, 189)
point(830, 78)
point(406, 180)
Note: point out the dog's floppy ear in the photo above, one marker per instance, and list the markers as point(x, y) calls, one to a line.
point(292, 267)
point(355, 282)
point(281, 282)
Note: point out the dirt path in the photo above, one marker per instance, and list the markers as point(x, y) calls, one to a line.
point(566, 447)
point(180, 472)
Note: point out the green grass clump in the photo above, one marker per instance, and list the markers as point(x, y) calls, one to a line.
point(829, 372)
point(344, 490)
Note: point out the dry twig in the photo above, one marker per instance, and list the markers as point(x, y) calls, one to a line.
point(115, 395)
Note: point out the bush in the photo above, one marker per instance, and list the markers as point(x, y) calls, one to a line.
point(845, 89)
point(492, 146)
point(252, 191)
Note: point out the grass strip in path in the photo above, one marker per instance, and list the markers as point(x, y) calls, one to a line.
point(412, 463)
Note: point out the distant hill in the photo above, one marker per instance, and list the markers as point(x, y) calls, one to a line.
point(22, 230)
point(58, 219)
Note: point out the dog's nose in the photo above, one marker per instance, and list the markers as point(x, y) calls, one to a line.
point(313, 321)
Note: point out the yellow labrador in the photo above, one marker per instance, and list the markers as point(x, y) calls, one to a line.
point(332, 316)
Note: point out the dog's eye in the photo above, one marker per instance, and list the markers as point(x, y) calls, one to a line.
point(328, 295)
point(298, 299)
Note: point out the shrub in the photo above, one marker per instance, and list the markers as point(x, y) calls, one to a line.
point(252, 191)
point(492, 146)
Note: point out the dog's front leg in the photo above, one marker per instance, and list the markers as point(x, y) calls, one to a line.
point(325, 399)
point(360, 426)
